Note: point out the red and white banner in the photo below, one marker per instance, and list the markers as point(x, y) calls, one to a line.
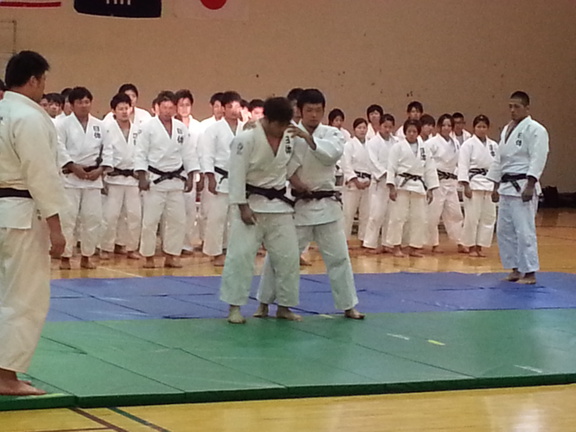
point(236, 10)
point(30, 3)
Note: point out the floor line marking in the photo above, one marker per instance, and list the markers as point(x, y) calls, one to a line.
point(138, 420)
point(98, 420)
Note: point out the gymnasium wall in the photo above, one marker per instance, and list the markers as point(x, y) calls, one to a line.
point(451, 54)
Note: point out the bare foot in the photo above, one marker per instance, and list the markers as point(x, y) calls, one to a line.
point(284, 312)
point(219, 260)
point(354, 314)
point(437, 250)
point(172, 262)
point(105, 256)
point(133, 255)
point(262, 311)
point(304, 262)
point(513, 276)
point(416, 253)
point(187, 252)
point(86, 263)
point(388, 249)
point(65, 264)
point(462, 249)
point(377, 251)
point(119, 250)
point(528, 279)
point(10, 385)
point(149, 264)
point(479, 252)
point(397, 252)
point(474, 253)
point(235, 317)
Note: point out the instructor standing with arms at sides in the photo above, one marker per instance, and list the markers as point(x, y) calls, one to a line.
point(31, 199)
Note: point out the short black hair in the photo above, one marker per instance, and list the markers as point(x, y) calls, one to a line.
point(294, 94)
point(128, 87)
point(230, 96)
point(165, 96)
point(523, 96)
point(481, 119)
point(255, 103)
point(44, 97)
point(387, 117)
point(65, 92)
point(216, 97)
point(120, 98)
point(358, 122)
point(23, 66)
point(311, 96)
point(56, 98)
point(374, 107)
point(79, 93)
point(412, 122)
point(278, 109)
point(415, 104)
point(457, 115)
point(2, 86)
point(185, 94)
point(336, 112)
point(427, 119)
point(443, 117)
point(244, 103)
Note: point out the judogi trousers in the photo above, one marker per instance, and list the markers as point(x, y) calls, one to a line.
point(205, 197)
point(122, 200)
point(479, 219)
point(24, 292)
point(192, 223)
point(355, 200)
point(169, 207)
point(84, 207)
point(331, 241)
point(278, 233)
point(378, 215)
point(445, 205)
point(216, 225)
point(409, 208)
point(516, 231)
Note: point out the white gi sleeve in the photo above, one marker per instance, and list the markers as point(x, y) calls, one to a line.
point(329, 148)
point(208, 154)
point(63, 155)
point(347, 168)
point(430, 173)
point(107, 149)
point(377, 166)
point(538, 148)
point(464, 162)
point(495, 171)
point(393, 162)
point(189, 153)
point(240, 151)
point(141, 151)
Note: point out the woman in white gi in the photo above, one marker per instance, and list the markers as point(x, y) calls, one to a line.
point(446, 204)
point(357, 170)
point(373, 115)
point(336, 119)
point(378, 149)
point(411, 178)
point(414, 111)
point(476, 156)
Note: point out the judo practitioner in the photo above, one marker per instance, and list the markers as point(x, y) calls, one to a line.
point(318, 212)
point(165, 162)
point(217, 111)
point(446, 205)
point(256, 108)
point(293, 96)
point(84, 156)
point(32, 199)
point(414, 111)
point(215, 159)
point(428, 127)
point(137, 115)
point(519, 163)
point(378, 149)
point(373, 115)
point(336, 119)
point(476, 156)
point(261, 212)
point(411, 178)
point(459, 134)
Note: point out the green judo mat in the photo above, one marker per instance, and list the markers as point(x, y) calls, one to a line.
point(120, 363)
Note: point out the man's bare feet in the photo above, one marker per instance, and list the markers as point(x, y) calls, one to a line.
point(462, 249)
point(172, 262)
point(186, 252)
point(86, 263)
point(262, 311)
point(479, 252)
point(149, 263)
point(354, 314)
point(513, 276)
point(133, 255)
point(219, 260)
point(528, 279)
point(65, 264)
point(105, 256)
point(119, 250)
point(234, 316)
point(284, 312)
point(437, 250)
point(416, 252)
point(10, 385)
point(387, 249)
point(377, 251)
point(304, 262)
point(397, 252)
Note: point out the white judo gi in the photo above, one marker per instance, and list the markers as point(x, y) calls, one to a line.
point(319, 220)
point(413, 171)
point(378, 150)
point(140, 116)
point(123, 193)
point(461, 139)
point(215, 158)
point(445, 205)
point(28, 144)
point(474, 161)
point(88, 149)
point(176, 157)
point(192, 219)
point(254, 164)
point(524, 153)
point(356, 165)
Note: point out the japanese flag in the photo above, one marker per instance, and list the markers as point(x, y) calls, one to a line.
point(236, 10)
point(31, 3)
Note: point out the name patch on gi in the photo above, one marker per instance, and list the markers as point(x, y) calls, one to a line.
point(519, 140)
point(180, 139)
point(423, 154)
point(239, 148)
point(288, 145)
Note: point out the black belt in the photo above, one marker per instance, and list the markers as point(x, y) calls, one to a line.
point(269, 193)
point(513, 178)
point(443, 175)
point(477, 171)
point(414, 177)
point(167, 175)
point(86, 169)
point(14, 193)
point(363, 175)
point(317, 195)
point(121, 172)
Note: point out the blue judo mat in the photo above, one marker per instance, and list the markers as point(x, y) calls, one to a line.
point(169, 297)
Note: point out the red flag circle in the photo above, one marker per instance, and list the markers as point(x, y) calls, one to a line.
point(214, 4)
